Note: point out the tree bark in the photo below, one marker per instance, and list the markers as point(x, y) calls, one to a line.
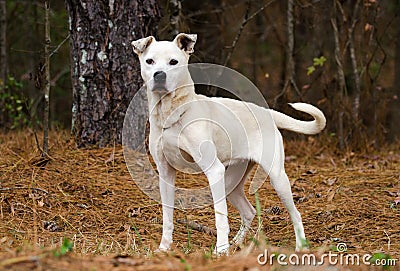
point(105, 72)
point(3, 43)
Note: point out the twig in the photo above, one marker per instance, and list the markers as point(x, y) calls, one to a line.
point(59, 46)
point(287, 83)
point(244, 22)
point(246, 19)
point(388, 239)
point(23, 188)
point(58, 76)
point(36, 137)
point(214, 11)
point(30, 109)
point(21, 259)
point(196, 226)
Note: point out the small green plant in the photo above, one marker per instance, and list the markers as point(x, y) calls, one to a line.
point(383, 259)
point(209, 254)
point(188, 245)
point(255, 241)
point(66, 247)
point(317, 61)
point(186, 265)
point(258, 210)
point(138, 234)
point(13, 105)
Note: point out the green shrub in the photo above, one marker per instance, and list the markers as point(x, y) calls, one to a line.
point(13, 110)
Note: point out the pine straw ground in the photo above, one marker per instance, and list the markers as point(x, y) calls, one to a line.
point(89, 197)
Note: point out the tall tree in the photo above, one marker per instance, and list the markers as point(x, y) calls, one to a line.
point(3, 43)
point(105, 72)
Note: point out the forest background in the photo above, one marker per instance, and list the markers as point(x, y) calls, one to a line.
point(343, 56)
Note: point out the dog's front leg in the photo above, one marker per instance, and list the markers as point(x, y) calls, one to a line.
point(167, 192)
point(215, 175)
point(206, 158)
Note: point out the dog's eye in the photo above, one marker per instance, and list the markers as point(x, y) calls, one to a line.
point(150, 61)
point(173, 62)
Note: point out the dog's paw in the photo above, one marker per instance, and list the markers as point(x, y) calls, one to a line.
point(161, 250)
point(303, 246)
point(221, 250)
point(302, 249)
point(238, 239)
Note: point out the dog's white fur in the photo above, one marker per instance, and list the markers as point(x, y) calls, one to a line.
point(184, 122)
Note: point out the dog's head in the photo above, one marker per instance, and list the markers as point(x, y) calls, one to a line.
point(163, 64)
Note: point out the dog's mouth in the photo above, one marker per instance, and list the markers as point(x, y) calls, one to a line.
point(159, 88)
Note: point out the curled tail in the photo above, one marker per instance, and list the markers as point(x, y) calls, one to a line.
point(286, 122)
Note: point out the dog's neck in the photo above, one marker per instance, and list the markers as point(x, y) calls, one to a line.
point(166, 109)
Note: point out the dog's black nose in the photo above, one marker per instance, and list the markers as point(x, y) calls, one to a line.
point(160, 77)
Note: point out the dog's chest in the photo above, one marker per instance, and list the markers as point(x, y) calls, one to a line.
point(175, 150)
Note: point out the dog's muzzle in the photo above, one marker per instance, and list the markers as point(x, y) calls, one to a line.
point(160, 78)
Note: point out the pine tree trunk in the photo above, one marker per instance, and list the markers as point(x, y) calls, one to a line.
point(105, 71)
point(3, 43)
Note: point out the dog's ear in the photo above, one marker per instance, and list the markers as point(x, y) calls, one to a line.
point(186, 42)
point(140, 45)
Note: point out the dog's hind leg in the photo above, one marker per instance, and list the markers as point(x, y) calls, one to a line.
point(280, 182)
point(237, 174)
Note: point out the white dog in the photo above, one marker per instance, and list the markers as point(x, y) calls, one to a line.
point(223, 137)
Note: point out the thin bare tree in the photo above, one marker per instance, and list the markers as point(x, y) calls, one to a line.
point(3, 43)
point(341, 78)
point(394, 126)
point(247, 18)
point(46, 85)
point(290, 66)
point(354, 64)
point(175, 8)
